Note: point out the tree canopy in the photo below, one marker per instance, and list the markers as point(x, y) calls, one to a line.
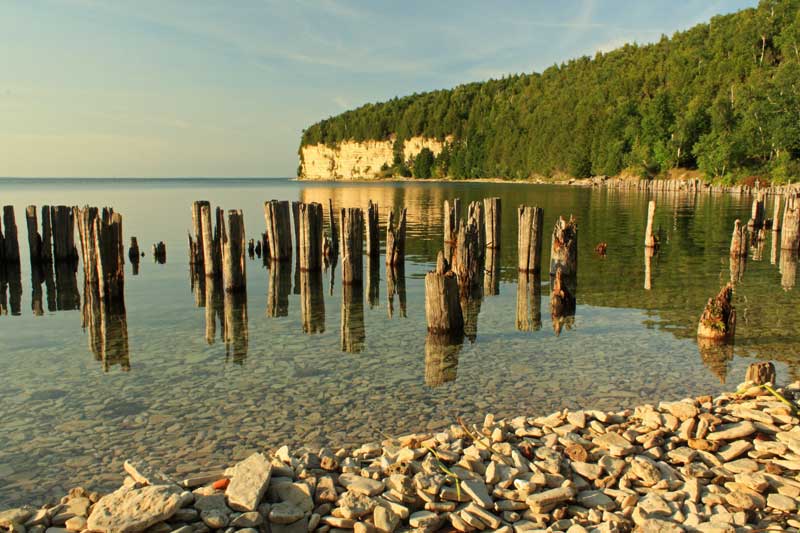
point(722, 97)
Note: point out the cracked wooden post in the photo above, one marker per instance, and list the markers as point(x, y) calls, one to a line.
point(196, 238)
point(648, 267)
point(760, 373)
point(649, 236)
point(110, 261)
point(564, 249)
point(492, 217)
point(279, 236)
point(373, 238)
point(160, 252)
point(442, 302)
point(86, 217)
point(296, 225)
point(63, 221)
point(790, 232)
point(210, 244)
point(529, 238)
point(475, 211)
point(351, 228)
point(451, 220)
point(10, 238)
point(333, 233)
point(718, 321)
point(34, 237)
point(466, 263)
point(756, 221)
point(310, 244)
point(739, 240)
point(234, 275)
point(776, 213)
point(396, 239)
point(47, 235)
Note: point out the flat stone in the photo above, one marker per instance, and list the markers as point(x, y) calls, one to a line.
point(385, 520)
point(355, 505)
point(645, 470)
point(76, 523)
point(17, 516)
point(540, 501)
point(130, 510)
point(596, 499)
point(360, 484)
point(655, 525)
point(214, 519)
point(249, 482)
point(248, 519)
point(298, 494)
point(284, 513)
point(653, 504)
point(780, 502)
point(745, 500)
point(682, 410)
point(478, 492)
point(615, 443)
point(423, 519)
point(145, 475)
point(736, 431)
point(590, 471)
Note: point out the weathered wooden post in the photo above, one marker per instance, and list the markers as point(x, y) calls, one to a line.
point(788, 269)
point(466, 263)
point(333, 233)
point(310, 244)
point(776, 214)
point(649, 236)
point(351, 223)
point(475, 212)
point(37, 278)
point(760, 373)
point(210, 245)
point(110, 262)
point(442, 302)
point(739, 240)
point(63, 220)
point(564, 249)
point(296, 224)
point(47, 235)
point(10, 238)
point(718, 321)
point(86, 231)
point(756, 221)
point(34, 238)
point(196, 243)
point(492, 217)
point(562, 302)
point(452, 214)
point(353, 332)
point(312, 302)
point(251, 249)
point(491, 271)
point(234, 275)
point(373, 238)
point(279, 233)
point(529, 301)
point(396, 239)
point(529, 238)
point(396, 284)
point(649, 252)
point(133, 251)
point(790, 232)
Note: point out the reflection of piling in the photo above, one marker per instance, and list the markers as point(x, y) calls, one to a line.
point(196, 239)
point(491, 272)
point(756, 221)
point(716, 355)
point(564, 249)
point(790, 232)
point(373, 239)
point(441, 358)
point(235, 333)
point(396, 239)
point(197, 280)
point(529, 238)
point(310, 243)
point(351, 225)
point(470, 309)
point(738, 265)
point(63, 222)
point(10, 238)
point(312, 302)
point(10, 289)
point(280, 285)
point(442, 305)
point(353, 332)
point(529, 301)
point(373, 280)
point(649, 236)
point(276, 216)
point(396, 284)
point(234, 275)
point(562, 302)
point(492, 218)
point(738, 240)
point(788, 269)
point(107, 329)
point(649, 252)
point(214, 309)
point(160, 252)
point(37, 278)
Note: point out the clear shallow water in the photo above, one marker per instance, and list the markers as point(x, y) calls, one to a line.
point(173, 399)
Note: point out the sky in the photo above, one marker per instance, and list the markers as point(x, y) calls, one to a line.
point(224, 88)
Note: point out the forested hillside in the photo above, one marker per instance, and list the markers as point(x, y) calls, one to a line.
point(722, 97)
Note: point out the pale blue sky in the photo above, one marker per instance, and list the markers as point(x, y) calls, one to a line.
point(224, 88)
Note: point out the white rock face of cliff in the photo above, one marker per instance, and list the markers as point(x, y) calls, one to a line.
point(356, 160)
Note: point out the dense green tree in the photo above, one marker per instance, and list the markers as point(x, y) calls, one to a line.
point(423, 164)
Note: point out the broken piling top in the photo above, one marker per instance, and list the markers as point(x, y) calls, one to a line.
point(718, 321)
point(196, 246)
point(10, 240)
point(396, 239)
point(279, 230)
point(351, 229)
point(234, 275)
point(790, 232)
point(373, 235)
point(649, 237)
point(564, 249)
point(310, 234)
point(738, 240)
point(530, 223)
point(452, 211)
point(442, 302)
point(492, 218)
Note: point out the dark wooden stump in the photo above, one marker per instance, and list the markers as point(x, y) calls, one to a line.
point(373, 235)
point(562, 303)
point(10, 237)
point(47, 235)
point(310, 244)
point(333, 233)
point(63, 221)
point(790, 232)
point(718, 321)
point(159, 252)
point(34, 237)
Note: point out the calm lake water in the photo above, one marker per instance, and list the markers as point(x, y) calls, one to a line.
point(161, 384)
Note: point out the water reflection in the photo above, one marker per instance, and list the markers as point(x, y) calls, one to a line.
point(738, 265)
point(373, 280)
point(396, 284)
point(67, 294)
point(441, 358)
point(470, 309)
point(235, 332)
point(562, 301)
point(716, 355)
point(280, 284)
point(788, 269)
point(10, 289)
point(649, 252)
point(529, 301)
point(312, 302)
point(37, 279)
point(491, 272)
point(107, 329)
point(197, 280)
point(214, 309)
point(353, 333)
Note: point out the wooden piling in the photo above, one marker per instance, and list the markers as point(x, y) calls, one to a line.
point(234, 276)
point(649, 236)
point(475, 212)
point(210, 244)
point(466, 263)
point(133, 251)
point(279, 236)
point(10, 238)
point(310, 243)
point(452, 218)
point(529, 238)
point(47, 235)
point(296, 225)
point(63, 221)
point(760, 373)
point(373, 239)
point(160, 252)
point(442, 305)
point(196, 243)
point(396, 239)
point(739, 240)
point(776, 213)
point(86, 217)
point(492, 216)
point(756, 221)
point(790, 232)
point(564, 249)
point(333, 233)
point(110, 262)
point(351, 229)
point(34, 237)
point(718, 321)
point(491, 271)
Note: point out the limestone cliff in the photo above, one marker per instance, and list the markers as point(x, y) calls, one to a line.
point(350, 160)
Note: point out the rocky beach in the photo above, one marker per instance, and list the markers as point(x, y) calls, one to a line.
point(729, 463)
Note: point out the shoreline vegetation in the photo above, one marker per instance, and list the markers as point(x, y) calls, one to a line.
point(720, 98)
point(723, 464)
